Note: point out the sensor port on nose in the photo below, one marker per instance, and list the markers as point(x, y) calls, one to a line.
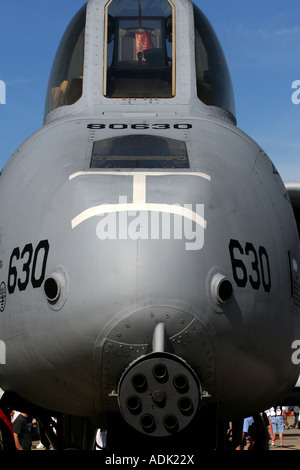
point(56, 288)
point(52, 289)
point(225, 290)
point(221, 288)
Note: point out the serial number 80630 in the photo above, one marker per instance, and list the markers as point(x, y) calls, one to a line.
point(141, 126)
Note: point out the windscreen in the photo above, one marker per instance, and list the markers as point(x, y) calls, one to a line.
point(214, 86)
point(65, 83)
point(139, 49)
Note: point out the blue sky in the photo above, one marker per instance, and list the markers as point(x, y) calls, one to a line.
point(261, 41)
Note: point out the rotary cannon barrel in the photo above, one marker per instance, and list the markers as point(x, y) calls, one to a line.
point(159, 394)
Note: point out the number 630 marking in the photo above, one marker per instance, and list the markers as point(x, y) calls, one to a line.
point(30, 259)
point(260, 267)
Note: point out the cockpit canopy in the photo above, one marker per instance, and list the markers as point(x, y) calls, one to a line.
point(214, 86)
point(140, 56)
point(140, 61)
point(66, 77)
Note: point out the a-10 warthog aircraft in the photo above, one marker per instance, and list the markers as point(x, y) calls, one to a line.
point(149, 252)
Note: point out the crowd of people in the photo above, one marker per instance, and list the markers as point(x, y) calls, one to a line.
point(260, 431)
point(24, 430)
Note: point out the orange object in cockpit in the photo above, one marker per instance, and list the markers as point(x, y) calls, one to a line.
point(142, 42)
